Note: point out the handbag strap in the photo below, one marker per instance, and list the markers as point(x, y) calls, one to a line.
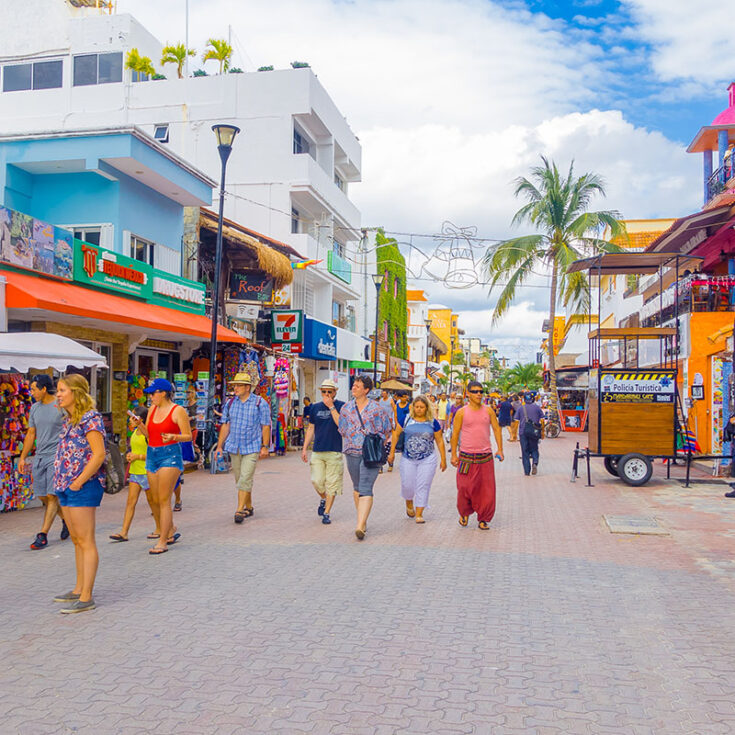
point(360, 417)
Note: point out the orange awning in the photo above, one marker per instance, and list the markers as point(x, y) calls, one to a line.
point(29, 292)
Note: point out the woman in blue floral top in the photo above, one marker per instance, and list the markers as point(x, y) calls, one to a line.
point(79, 482)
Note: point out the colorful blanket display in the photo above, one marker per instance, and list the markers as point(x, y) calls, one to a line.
point(15, 404)
point(281, 384)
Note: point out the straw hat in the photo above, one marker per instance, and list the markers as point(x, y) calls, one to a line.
point(242, 379)
point(328, 384)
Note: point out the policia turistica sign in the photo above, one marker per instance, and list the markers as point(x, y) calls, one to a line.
point(626, 387)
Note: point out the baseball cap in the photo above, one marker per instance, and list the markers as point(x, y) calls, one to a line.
point(159, 384)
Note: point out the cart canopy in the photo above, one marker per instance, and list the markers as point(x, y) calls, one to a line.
point(24, 351)
point(633, 263)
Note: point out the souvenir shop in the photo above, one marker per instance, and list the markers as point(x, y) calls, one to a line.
point(23, 355)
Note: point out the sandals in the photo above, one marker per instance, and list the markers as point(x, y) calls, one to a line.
point(153, 535)
point(155, 551)
point(410, 512)
point(247, 512)
point(239, 516)
point(464, 520)
point(420, 519)
point(483, 526)
point(173, 539)
point(177, 506)
point(360, 534)
point(118, 537)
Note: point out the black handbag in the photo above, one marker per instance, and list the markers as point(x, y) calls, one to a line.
point(531, 430)
point(373, 447)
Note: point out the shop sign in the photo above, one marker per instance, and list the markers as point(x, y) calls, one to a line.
point(558, 332)
point(247, 312)
point(26, 242)
point(251, 286)
point(622, 387)
point(96, 266)
point(282, 297)
point(178, 293)
point(287, 326)
point(160, 344)
point(394, 367)
point(320, 340)
point(698, 392)
point(291, 348)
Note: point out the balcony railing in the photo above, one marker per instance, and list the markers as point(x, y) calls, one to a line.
point(717, 183)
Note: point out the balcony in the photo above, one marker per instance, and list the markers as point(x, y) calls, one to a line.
point(339, 267)
point(696, 293)
point(720, 183)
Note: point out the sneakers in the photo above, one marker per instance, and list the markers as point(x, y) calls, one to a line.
point(731, 494)
point(64, 531)
point(77, 607)
point(534, 470)
point(326, 519)
point(67, 597)
point(40, 541)
point(322, 505)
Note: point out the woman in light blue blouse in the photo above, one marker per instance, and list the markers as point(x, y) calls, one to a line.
point(422, 438)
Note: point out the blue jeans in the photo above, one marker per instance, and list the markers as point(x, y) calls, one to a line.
point(529, 451)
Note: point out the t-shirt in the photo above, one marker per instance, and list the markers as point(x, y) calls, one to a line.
point(326, 435)
point(530, 411)
point(441, 410)
point(47, 420)
point(504, 411)
point(516, 408)
point(138, 445)
point(419, 438)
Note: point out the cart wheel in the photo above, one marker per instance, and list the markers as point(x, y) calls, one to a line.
point(611, 465)
point(635, 469)
point(552, 430)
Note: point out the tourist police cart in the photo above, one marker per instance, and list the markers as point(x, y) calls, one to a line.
point(634, 409)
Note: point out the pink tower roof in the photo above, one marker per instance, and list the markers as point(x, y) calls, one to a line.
point(727, 117)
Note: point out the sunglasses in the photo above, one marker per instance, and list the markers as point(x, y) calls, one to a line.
point(328, 391)
point(475, 390)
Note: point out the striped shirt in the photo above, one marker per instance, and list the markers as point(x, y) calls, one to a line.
point(246, 420)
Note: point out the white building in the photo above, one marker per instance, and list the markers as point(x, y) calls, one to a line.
point(291, 168)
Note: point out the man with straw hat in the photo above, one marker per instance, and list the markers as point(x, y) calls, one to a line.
point(246, 436)
point(327, 465)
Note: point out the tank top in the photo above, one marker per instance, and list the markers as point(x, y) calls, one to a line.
point(475, 435)
point(402, 412)
point(167, 426)
point(138, 445)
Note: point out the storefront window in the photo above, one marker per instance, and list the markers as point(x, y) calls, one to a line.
point(99, 379)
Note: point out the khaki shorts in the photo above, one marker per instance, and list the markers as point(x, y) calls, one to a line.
point(243, 467)
point(327, 469)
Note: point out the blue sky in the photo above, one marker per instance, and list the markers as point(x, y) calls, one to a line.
point(454, 99)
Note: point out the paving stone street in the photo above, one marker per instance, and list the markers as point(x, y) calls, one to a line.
point(548, 623)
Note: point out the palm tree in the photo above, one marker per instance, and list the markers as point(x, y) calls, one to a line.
point(557, 206)
point(524, 377)
point(219, 50)
point(176, 55)
point(140, 64)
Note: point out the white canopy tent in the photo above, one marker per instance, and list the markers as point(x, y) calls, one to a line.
point(24, 351)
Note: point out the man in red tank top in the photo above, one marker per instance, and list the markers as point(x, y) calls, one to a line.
point(472, 455)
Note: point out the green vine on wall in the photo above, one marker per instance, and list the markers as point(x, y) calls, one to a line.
point(393, 310)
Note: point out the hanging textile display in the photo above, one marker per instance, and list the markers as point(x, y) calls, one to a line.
point(15, 405)
point(281, 384)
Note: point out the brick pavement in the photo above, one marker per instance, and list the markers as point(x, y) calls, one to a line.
point(545, 624)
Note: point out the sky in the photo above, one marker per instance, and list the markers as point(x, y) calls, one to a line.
point(452, 100)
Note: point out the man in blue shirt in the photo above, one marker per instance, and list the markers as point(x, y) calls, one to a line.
point(327, 466)
point(246, 436)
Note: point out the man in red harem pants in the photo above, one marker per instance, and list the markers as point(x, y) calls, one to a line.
point(476, 472)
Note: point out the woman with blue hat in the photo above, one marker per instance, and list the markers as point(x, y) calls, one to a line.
point(166, 427)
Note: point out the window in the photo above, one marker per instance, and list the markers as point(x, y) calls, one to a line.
point(338, 248)
point(300, 142)
point(396, 281)
point(97, 69)
point(99, 379)
point(160, 133)
point(139, 76)
point(294, 221)
point(339, 181)
point(385, 281)
point(39, 75)
point(88, 234)
point(141, 249)
point(338, 314)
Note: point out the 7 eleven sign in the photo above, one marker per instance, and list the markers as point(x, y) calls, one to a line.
point(287, 326)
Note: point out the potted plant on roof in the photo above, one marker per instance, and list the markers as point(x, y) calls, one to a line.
point(140, 65)
point(176, 54)
point(218, 50)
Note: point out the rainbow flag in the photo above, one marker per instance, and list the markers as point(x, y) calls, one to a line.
point(303, 264)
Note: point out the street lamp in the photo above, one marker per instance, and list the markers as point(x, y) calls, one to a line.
point(378, 279)
point(428, 335)
point(225, 137)
point(452, 340)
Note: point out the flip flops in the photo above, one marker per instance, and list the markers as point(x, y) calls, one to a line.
point(155, 551)
point(117, 537)
point(464, 520)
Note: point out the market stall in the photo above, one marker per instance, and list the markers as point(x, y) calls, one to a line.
point(572, 390)
point(20, 353)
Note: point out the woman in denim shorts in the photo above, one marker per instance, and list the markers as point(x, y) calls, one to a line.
point(79, 482)
point(165, 428)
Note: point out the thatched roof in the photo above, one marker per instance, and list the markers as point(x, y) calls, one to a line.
point(89, 3)
point(270, 257)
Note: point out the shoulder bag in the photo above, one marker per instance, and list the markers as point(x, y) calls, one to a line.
point(373, 447)
point(531, 429)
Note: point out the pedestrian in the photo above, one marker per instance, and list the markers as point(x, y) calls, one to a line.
point(246, 435)
point(137, 477)
point(402, 410)
point(420, 432)
point(388, 404)
point(531, 430)
point(441, 410)
point(307, 408)
point(79, 483)
point(729, 436)
point(44, 426)
point(472, 455)
point(166, 426)
point(505, 414)
point(516, 404)
point(327, 465)
point(359, 417)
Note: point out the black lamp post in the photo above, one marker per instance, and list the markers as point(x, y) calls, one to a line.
point(451, 363)
point(225, 137)
point(378, 279)
point(428, 335)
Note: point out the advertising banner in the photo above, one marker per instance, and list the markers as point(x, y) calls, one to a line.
point(96, 266)
point(625, 387)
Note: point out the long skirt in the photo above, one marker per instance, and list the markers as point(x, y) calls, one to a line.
point(416, 478)
point(476, 489)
